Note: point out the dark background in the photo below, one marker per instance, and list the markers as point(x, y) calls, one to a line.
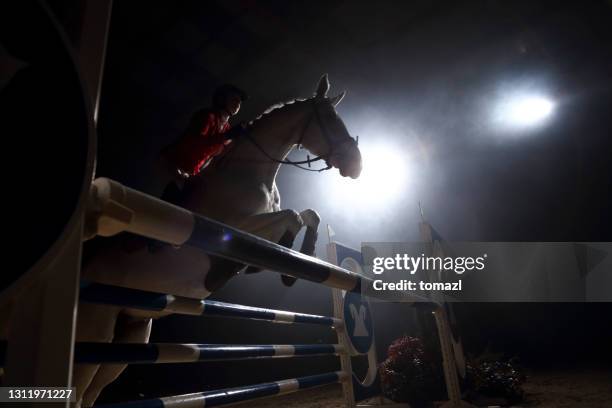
point(418, 75)
point(421, 76)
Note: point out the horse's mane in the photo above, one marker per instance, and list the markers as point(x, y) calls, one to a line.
point(273, 108)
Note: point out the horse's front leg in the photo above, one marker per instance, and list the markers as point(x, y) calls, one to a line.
point(311, 221)
point(128, 329)
point(95, 323)
point(282, 227)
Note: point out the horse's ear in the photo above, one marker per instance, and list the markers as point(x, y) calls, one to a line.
point(335, 100)
point(323, 87)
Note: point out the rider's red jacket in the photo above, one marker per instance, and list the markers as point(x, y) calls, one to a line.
point(204, 138)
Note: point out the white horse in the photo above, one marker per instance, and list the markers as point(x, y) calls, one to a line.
point(238, 189)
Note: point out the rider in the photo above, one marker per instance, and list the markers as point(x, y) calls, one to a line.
point(207, 135)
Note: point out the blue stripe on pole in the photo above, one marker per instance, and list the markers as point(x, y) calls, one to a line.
point(221, 240)
point(312, 319)
point(139, 299)
point(229, 309)
point(230, 396)
point(115, 295)
point(134, 353)
point(224, 352)
point(319, 379)
point(233, 310)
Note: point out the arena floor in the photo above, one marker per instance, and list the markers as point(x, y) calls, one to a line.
point(585, 388)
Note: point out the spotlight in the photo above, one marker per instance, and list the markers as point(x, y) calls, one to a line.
point(384, 178)
point(520, 111)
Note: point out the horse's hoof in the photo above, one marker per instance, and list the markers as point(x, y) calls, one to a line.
point(288, 280)
point(310, 218)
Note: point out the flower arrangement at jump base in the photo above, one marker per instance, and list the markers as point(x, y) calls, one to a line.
point(494, 381)
point(413, 373)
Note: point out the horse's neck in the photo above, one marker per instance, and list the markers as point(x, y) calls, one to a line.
point(277, 133)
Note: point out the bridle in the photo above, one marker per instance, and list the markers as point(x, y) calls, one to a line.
point(299, 164)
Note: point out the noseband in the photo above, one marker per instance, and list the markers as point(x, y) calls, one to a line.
point(299, 164)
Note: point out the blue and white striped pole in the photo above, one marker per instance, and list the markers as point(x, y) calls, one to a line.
point(234, 395)
point(140, 299)
point(133, 353)
point(115, 208)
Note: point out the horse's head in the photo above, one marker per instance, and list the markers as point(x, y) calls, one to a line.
point(326, 135)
